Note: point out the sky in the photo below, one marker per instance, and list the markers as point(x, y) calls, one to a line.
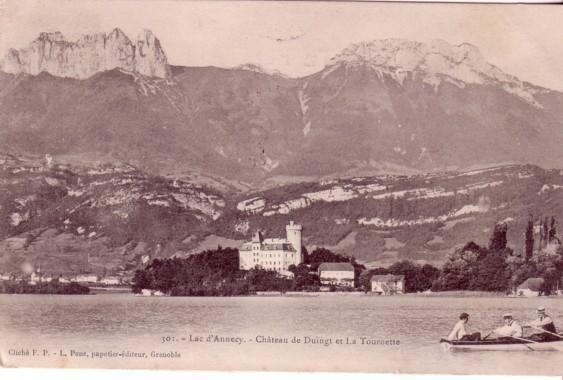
point(298, 38)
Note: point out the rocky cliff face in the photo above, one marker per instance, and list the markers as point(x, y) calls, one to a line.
point(90, 54)
point(434, 62)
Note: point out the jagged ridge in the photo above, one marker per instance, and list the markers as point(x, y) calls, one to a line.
point(88, 55)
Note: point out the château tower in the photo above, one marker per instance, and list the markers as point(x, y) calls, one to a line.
point(294, 237)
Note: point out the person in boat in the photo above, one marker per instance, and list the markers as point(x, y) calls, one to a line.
point(543, 326)
point(459, 332)
point(511, 329)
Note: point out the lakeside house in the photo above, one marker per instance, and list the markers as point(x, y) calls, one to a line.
point(88, 278)
point(37, 277)
point(85, 278)
point(530, 288)
point(274, 253)
point(34, 278)
point(387, 284)
point(110, 280)
point(338, 274)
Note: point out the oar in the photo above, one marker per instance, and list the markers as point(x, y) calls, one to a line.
point(522, 339)
point(549, 332)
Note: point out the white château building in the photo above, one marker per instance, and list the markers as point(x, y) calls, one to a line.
point(273, 254)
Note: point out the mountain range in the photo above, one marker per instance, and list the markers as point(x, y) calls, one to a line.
point(381, 106)
point(110, 149)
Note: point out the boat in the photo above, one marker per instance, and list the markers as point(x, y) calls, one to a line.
point(501, 345)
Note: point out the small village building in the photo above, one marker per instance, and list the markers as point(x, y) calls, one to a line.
point(110, 280)
point(34, 278)
point(337, 274)
point(275, 253)
point(37, 277)
point(530, 288)
point(86, 278)
point(4, 277)
point(387, 284)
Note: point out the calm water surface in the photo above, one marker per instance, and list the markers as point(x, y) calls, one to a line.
point(122, 322)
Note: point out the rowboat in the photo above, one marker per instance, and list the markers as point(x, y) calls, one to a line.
point(501, 345)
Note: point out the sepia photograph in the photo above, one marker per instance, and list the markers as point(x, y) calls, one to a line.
point(281, 186)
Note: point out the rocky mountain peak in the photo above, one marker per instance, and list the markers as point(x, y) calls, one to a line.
point(90, 54)
point(118, 33)
point(150, 58)
point(50, 36)
point(435, 62)
point(463, 62)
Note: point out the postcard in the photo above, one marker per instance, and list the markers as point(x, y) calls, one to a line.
point(281, 186)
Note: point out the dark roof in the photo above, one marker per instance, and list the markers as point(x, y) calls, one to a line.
point(336, 267)
point(387, 277)
point(533, 283)
point(287, 247)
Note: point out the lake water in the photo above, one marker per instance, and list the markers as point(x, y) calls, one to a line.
point(122, 323)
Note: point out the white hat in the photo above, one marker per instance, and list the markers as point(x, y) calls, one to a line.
point(541, 309)
point(507, 315)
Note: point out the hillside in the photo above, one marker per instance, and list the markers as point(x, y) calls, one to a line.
point(387, 218)
point(71, 217)
point(110, 216)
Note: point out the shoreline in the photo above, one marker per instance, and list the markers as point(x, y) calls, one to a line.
point(445, 294)
point(460, 294)
point(266, 294)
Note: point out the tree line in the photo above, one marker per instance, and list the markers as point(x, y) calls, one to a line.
point(495, 267)
point(216, 273)
point(51, 287)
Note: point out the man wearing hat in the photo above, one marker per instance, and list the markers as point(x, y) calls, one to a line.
point(511, 328)
point(544, 325)
point(459, 333)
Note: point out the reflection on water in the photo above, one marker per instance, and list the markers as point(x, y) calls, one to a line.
point(124, 322)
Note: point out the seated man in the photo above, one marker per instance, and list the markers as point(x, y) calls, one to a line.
point(543, 326)
point(510, 330)
point(459, 333)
